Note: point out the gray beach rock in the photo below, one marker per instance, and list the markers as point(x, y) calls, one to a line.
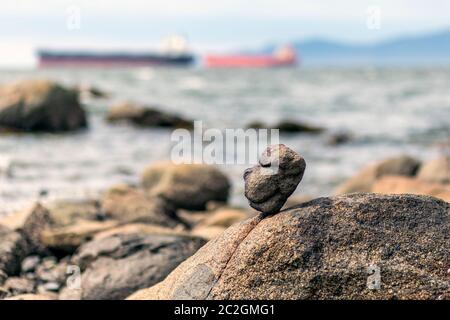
point(186, 186)
point(17, 285)
point(13, 249)
point(30, 263)
point(327, 248)
point(37, 221)
point(274, 178)
point(40, 105)
point(339, 138)
point(66, 212)
point(288, 126)
point(436, 170)
point(65, 240)
point(116, 266)
point(363, 181)
point(30, 223)
point(130, 205)
point(145, 116)
point(30, 296)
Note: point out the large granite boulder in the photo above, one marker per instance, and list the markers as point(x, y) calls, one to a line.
point(360, 246)
point(145, 116)
point(40, 105)
point(187, 186)
point(116, 266)
point(364, 180)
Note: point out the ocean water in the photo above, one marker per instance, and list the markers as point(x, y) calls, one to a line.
point(389, 111)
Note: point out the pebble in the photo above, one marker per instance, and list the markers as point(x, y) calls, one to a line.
point(29, 264)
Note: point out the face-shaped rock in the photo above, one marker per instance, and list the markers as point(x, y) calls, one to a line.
point(274, 178)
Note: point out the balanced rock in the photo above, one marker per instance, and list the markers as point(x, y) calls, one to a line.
point(364, 180)
point(270, 183)
point(40, 105)
point(116, 266)
point(187, 186)
point(145, 116)
point(328, 248)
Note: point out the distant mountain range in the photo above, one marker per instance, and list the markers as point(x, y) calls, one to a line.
point(430, 49)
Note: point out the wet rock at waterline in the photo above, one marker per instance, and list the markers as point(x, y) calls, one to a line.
point(90, 92)
point(146, 117)
point(269, 184)
point(288, 126)
point(339, 138)
point(323, 249)
point(40, 105)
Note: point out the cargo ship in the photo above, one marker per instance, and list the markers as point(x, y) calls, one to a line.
point(173, 53)
point(283, 57)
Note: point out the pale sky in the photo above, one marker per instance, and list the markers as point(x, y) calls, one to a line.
point(208, 24)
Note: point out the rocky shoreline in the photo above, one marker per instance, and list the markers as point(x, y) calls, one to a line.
point(141, 232)
point(152, 242)
point(175, 235)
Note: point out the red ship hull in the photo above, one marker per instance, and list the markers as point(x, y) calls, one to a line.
point(247, 61)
